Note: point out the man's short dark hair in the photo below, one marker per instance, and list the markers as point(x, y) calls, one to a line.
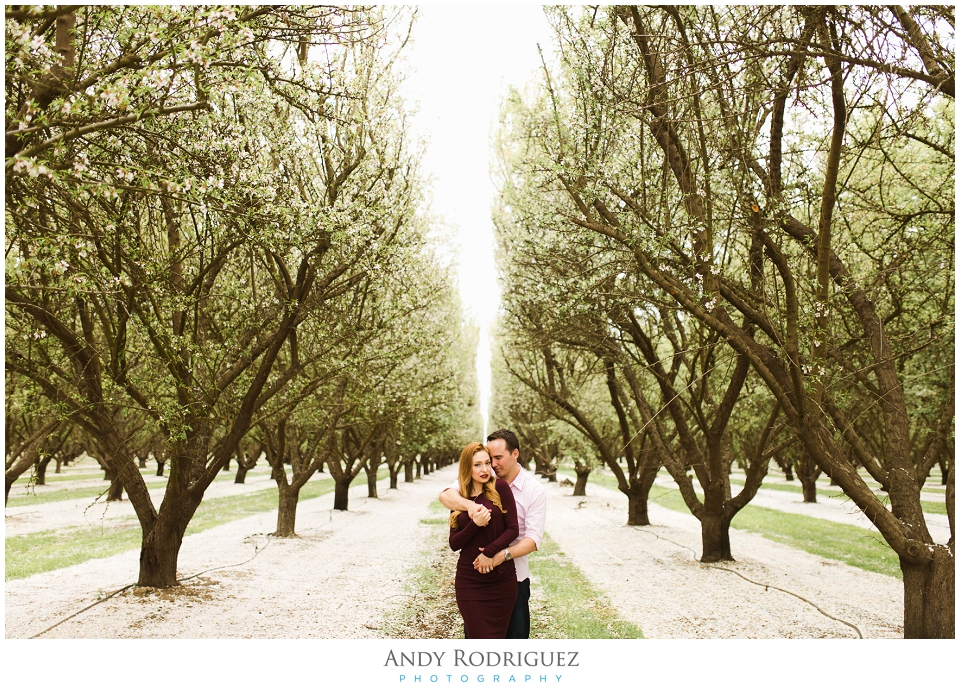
point(508, 437)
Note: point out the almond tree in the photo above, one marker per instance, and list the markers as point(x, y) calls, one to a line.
point(587, 318)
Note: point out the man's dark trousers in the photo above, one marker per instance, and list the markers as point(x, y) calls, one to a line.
point(520, 619)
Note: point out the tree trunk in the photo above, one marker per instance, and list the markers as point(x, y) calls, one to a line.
point(394, 476)
point(245, 463)
point(539, 466)
point(24, 463)
point(928, 597)
point(715, 533)
point(637, 507)
point(158, 555)
point(42, 470)
point(408, 470)
point(287, 511)
point(809, 473)
point(243, 467)
point(116, 487)
point(580, 488)
point(241, 475)
point(160, 463)
point(639, 493)
point(419, 470)
point(372, 483)
point(66, 458)
point(341, 492)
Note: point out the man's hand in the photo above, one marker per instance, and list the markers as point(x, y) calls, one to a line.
point(479, 514)
point(485, 564)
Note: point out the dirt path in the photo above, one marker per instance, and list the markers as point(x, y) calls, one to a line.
point(652, 577)
point(336, 580)
point(431, 612)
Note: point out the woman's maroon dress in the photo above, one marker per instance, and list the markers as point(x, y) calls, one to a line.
point(486, 600)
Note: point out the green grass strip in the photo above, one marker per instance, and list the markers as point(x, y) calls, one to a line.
point(859, 547)
point(90, 492)
point(864, 549)
point(70, 476)
point(938, 507)
point(25, 495)
point(934, 507)
point(564, 604)
point(575, 609)
point(56, 549)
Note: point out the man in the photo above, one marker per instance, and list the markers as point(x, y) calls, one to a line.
point(531, 514)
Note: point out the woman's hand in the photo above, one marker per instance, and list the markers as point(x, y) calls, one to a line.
point(481, 516)
point(485, 564)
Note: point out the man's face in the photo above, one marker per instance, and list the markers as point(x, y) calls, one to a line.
point(504, 462)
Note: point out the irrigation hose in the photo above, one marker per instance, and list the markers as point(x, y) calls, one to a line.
point(215, 568)
point(757, 583)
point(257, 551)
point(799, 597)
point(79, 612)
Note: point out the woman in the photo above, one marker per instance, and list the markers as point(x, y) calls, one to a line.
point(485, 600)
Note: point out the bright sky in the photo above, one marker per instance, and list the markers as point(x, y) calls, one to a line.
point(463, 58)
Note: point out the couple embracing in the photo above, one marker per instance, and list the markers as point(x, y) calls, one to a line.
point(499, 513)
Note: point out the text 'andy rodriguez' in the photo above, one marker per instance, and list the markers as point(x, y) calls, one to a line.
point(484, 658)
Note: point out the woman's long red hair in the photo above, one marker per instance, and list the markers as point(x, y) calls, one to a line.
point(465, 478)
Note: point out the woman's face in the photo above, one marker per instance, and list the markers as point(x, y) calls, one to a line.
point(482, 470)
